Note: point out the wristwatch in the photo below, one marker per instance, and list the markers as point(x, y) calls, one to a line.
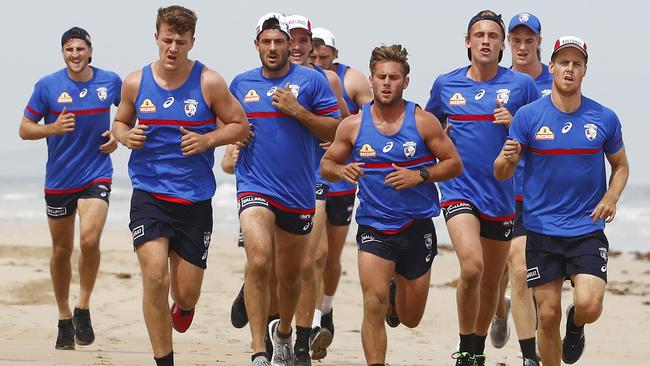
point(424, 174)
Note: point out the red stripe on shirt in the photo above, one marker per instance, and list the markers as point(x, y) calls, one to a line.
point(473, 117)
point(83, 111)
point(173, 122)
point(349, 192)
point(564, 151)
point(75, 190)
point(33, 111)
point(519, 198)
point(167, 198)
point(327, 110)
point(309, 211)
point(401, 163)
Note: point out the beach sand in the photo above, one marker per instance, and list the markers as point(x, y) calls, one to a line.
point(28, 317)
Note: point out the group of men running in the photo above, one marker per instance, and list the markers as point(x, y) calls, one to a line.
point(303, 133)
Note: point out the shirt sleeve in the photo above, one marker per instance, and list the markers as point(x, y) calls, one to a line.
point(518, 129)
point(118, 90)
point(433, 105)
point(37, 106)
point(324, 101)
point(614, 139)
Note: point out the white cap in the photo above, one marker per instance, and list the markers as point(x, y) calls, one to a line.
point(299, 22)
point(570, 41)
point(282, 20)
point(325, 35)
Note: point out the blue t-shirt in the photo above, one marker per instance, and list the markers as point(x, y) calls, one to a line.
point(280, 162)
point(73, 159)
point(160, 167)
point(543, 81)
point(564, 174)
point(468, 106)
point(380, 205)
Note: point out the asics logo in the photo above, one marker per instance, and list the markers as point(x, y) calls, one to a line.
point(83, 93)
point(271, 91)
point(168, 102)
point(567, 127)
point(479, 95)
point(388, 147)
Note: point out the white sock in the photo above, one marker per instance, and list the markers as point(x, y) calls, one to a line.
point(326, 307)
point(316, 321)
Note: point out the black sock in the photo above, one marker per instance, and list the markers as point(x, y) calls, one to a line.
point(259, 354)
point(479, 344)
point(528, 349)
point(302, 337)
point(466, 341)
point(167, 360)
point(378, 364)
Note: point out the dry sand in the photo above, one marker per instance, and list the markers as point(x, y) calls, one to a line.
point(28, 317)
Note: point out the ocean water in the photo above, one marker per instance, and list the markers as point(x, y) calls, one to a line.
point(21, 200)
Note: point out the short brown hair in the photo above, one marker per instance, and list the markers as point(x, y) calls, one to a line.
point(181, 19)
point(394, 52)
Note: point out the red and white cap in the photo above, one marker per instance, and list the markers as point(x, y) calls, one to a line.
point(570, 41)
point(299, 22)
point(282, 26)
point(325, 35)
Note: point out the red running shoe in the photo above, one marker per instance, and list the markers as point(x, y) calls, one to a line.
point(181, 319)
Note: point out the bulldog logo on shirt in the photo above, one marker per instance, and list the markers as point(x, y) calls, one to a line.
point(294, 90)
point(102, 93)
point(591, 131)
point(503, 95)
point(409, 148)
point(190, 107)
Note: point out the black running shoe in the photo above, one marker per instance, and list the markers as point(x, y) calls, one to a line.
point(574, 340)
point(84, 334)
point(238, 314)
point(327, 321)
point(392, 319)
point(302, 358)
point(463, 359)
point(479, 360)
point(268, 344)
point(65, 338)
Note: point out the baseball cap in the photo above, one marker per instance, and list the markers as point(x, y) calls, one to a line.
point(570, 41)
point(299, 22)
point(324, 34)
point(526, 19)
point(76, 32)
point(282, 24)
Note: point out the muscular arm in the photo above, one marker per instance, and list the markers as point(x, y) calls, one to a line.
point(606, 208)
point(358, 87)
point(333, 165)
point(506, 163)
point(449, 163)
point(337, 88)
point(125, 115)
point(322, 126)
point(32, 130)
point(225, 105)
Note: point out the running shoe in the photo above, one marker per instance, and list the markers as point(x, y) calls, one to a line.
point(327, 321)
point(84, 334)
point(238, 314)
point(574, 340)
point(65, 338)
point(181, 319)
point(261, 361)
point(463, 359)
point(282, 347)
point(319, 340)
point(302, 357)
point(529, 362)
point(479, 360)
point(499, 328)
point(392, 319)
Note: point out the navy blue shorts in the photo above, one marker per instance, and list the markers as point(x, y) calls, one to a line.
point(551, 257)
point(188, 227)
point(412, 249)
point(294, 221)
point(60, 205)
point(321, 191)
point(518, 227)
point(339, 209)
point(491, 228)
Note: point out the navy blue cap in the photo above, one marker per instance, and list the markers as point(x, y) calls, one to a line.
point(526, 19)
point(76, 32)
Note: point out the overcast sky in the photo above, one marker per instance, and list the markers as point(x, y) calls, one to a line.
point(433, 32)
